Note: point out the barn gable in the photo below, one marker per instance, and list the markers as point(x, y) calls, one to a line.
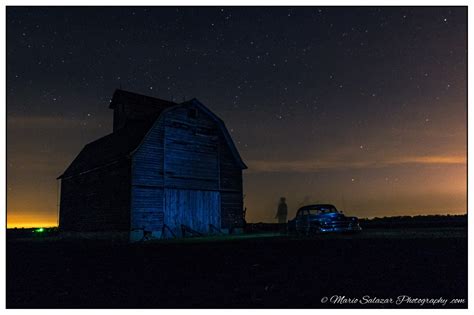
point(220, 123)
point(184, 161)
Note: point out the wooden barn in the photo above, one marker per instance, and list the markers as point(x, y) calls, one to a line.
point(167, 169)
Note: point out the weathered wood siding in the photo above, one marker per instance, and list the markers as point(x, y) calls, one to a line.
point(147, 161)
point(147, 182)
point(98, 200)
point(191, 164)
point(147, 205)
point(231, 188)
point(191, 150)
point(193, 208)
point(185, 173)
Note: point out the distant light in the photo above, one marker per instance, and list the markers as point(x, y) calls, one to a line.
point(40, 230)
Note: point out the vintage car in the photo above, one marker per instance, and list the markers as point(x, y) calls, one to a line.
point(315, 219)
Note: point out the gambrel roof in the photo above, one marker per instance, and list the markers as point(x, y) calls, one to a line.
point(123, 142)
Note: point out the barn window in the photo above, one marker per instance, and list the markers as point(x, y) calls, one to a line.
point(192, 113)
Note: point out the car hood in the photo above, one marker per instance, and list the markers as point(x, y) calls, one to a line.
point(332, 217)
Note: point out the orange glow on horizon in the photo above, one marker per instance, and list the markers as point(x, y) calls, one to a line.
point(30, 221)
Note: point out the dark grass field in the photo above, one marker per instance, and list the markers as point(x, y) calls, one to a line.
point(249, 271)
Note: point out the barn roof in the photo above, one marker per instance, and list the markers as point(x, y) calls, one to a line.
point(223, 128)
point(123, 142)
point(108, 149)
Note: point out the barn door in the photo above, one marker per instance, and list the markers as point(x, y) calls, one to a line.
point(193, 208)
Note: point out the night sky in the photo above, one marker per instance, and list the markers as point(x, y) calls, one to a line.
point(361, 107)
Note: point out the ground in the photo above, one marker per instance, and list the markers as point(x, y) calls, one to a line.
point(250, 271)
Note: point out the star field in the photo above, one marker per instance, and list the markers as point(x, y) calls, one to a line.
point(363, 107)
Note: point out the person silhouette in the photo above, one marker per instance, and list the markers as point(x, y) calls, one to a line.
point(282, 211)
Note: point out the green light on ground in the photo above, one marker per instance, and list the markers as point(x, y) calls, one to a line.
point(40, 230)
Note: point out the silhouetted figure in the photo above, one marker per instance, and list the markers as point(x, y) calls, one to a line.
point(282, 211)
point(245, 213)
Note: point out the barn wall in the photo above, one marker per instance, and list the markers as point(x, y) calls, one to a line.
point(185, 157)
point(196, 209)
point(191, 150)
point(147, 161)
point(147, 182)
point(98, 200)
point(231, 188)
point(147, 205)
point(191, 170)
